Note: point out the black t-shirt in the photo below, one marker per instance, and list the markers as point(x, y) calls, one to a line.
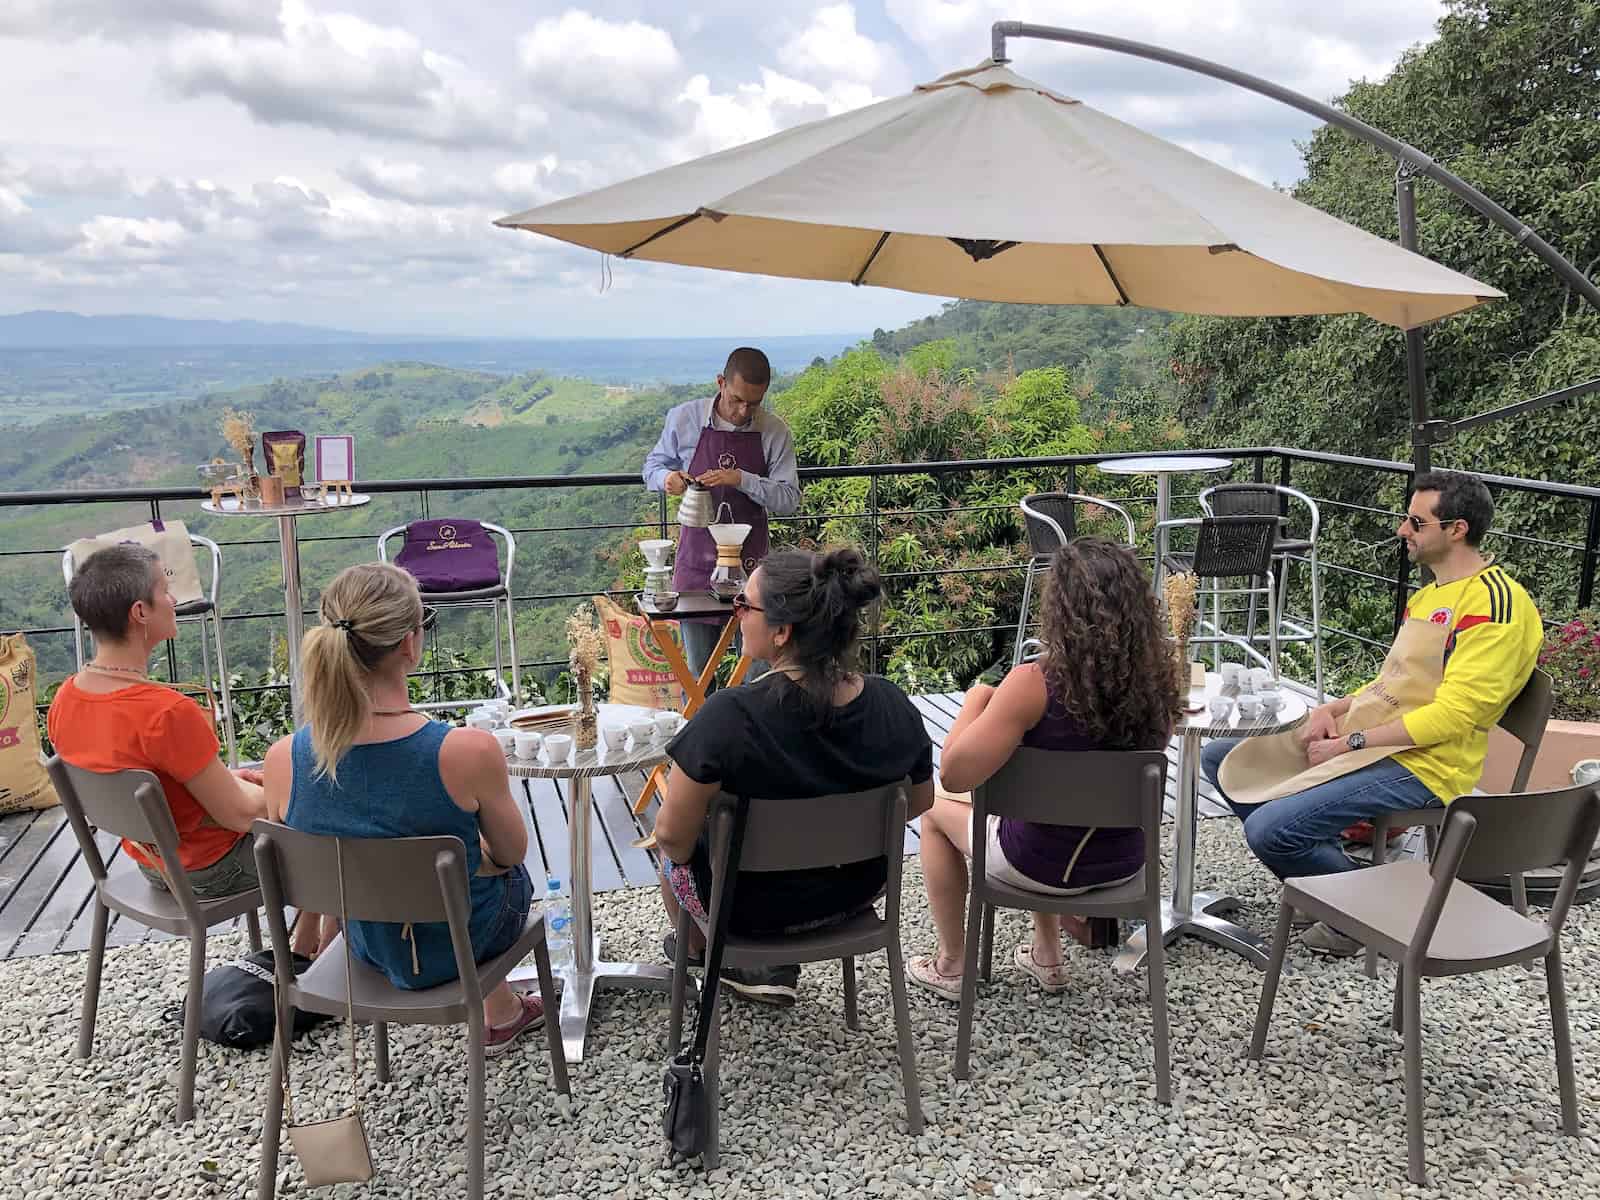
point(759, 740)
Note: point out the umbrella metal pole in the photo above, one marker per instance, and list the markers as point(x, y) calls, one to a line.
point(1405, 202)
point(1421, 163)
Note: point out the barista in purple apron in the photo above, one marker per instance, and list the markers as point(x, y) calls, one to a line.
point(745, 456)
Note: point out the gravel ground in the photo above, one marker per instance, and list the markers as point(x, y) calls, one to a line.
point(1062, 1100)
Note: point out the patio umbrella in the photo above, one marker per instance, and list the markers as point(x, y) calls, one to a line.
point(987, 186)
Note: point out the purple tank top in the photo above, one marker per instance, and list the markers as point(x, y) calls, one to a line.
point(1043, 852)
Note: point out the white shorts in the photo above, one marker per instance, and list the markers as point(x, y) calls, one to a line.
point(998, 868)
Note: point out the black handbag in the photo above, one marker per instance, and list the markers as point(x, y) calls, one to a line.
point(236, 1003)
point(686, 1108)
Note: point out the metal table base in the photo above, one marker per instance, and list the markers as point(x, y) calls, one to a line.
point(579, 985)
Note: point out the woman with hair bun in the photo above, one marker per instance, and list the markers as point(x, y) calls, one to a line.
point(812, 726)
point(367, 765)
point(1104, 682)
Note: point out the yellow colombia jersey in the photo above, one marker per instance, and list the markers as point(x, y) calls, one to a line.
point(1495, 632)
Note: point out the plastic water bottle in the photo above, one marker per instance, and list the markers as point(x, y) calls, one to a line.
point(558, 924)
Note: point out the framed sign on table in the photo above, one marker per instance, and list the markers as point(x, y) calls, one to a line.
point(336, 463)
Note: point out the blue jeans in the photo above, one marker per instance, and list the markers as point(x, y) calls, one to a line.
point(1298, 835)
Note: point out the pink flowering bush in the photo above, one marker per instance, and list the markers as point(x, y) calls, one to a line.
point(1571, 656)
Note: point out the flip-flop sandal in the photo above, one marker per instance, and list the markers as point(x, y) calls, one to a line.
point(1051, 979)
point(922, 972)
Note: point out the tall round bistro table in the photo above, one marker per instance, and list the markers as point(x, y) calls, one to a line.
point(1199, 914)
point(588, 970)
point(1163, 468)
point(289, 551)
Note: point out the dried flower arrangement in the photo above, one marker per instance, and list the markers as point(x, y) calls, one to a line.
point(586, 642)
point(1179, 590)
point(239, 431)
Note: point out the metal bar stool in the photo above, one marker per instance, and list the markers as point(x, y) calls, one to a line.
point(1050, 521)
point(491, 598)
point(194, 612)
point(1267, 499)
point(1232, 548)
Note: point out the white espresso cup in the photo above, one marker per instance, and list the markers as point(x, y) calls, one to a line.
point(481, 718)
point(558, 747)
point(667, 723)
point(1271, 700)
point(1230, 673)
point(527, 742)
point(640, 731)
point(507, 740)
point(1221, 708)
point(1250, 707)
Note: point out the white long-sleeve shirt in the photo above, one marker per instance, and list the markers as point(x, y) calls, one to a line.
point(778, 491)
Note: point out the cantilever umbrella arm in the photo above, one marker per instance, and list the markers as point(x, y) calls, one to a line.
point(1412, 162)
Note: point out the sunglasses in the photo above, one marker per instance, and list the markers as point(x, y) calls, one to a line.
point(1418, 524)
point(430, 618)
point(741, 604)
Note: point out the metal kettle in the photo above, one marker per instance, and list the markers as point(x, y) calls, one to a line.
point(694, 512)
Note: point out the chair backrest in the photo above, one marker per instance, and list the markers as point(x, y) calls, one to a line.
point(1050, 519)
point(1491, 837)
point(1525, 719)
point(399, 880)
point(1231, 547)
point(1106, 788)
point(505, 554)
point(1260, 499)
point(823, 831)
point(127, 804)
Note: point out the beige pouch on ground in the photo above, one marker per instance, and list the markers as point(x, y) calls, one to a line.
point(24, 783)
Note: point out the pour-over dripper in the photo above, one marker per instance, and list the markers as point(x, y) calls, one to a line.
point(655, 551)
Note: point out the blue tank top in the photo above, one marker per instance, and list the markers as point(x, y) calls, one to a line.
point(393, 789)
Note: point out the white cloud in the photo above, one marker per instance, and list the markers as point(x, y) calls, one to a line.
point(578, 59)
point(833, 49)
point(66, 19)
point(342, 73)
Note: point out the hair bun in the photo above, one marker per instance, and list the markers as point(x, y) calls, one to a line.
point(847, 570)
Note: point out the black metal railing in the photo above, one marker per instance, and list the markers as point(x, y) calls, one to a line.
point(1301, 468)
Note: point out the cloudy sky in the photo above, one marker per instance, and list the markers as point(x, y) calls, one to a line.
point(339, 161)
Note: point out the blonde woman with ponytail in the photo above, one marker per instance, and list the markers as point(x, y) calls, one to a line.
point(368, 765)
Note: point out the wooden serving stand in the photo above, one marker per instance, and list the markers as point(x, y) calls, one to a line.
point(695, 687)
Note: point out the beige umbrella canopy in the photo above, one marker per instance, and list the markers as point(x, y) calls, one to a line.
point(987, 186)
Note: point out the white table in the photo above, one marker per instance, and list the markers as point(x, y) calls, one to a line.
point(1163, 468)
point(289, 550)
point(1192, 913)
point(588, 970)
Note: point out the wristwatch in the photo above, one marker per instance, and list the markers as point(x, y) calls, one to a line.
point(1356, 741)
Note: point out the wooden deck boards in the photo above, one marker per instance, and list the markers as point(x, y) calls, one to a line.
point(46, 892)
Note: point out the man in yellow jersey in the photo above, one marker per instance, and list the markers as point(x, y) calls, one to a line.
point(1415, 736)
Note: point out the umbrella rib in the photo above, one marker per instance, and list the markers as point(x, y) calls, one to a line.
point(1122, 296)
point(661, 233)
point(871, 258)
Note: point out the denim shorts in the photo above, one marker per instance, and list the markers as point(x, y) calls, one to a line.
point(512, 919)
point(231, 874)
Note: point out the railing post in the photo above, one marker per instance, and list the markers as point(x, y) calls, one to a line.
point(872, 541)
point(1072, 477)
point(1591, 555)
point(1402, 578)
point(661, 515)
point(172, 643)
point(1260, 468)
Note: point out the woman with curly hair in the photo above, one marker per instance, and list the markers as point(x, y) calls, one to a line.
point(1104, 682)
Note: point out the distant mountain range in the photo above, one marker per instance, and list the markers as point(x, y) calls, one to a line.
point(44, 329)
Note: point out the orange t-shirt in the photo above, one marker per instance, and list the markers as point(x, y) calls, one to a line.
point(146, 727)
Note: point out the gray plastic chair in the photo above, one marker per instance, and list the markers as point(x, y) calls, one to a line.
point(1431, 922)
point(1525, 719)
point(131, 804)
point(387, 879)
point(793, 835)
point(1108, 789)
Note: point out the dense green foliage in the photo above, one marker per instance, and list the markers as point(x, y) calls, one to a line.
point(1508, 97)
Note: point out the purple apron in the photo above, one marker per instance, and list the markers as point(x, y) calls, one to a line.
point(697, 552)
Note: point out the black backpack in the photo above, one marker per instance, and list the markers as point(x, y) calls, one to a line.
point(236, 1003)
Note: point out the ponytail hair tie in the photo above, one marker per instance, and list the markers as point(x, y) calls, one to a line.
point(347, 625)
